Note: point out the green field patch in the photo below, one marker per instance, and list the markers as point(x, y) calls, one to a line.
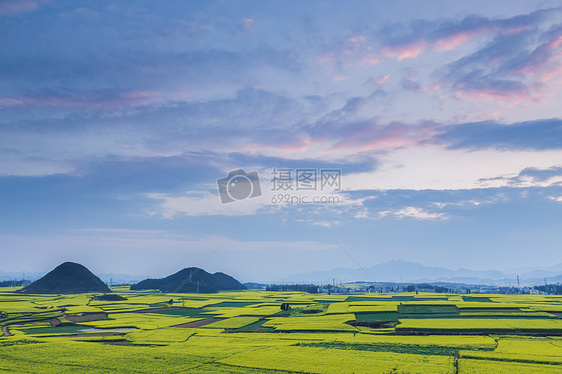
point(481, 325)
point(288, 313)
point(429, 315)
point(255, 327)
point(186, 312)
point(492, 314)
point(477, 299)
point(403, 298)
point(241, 312)
point(233, 304)
point(427, 309)
point(19, 318)
point(232, 323)
point(366, 298)
point(19, 342)
point(376, 317)
point(333, 322)
point(486, 309)
point(393, 348)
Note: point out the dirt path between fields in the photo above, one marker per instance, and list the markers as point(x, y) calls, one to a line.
point(6, 331)
point(87, 317)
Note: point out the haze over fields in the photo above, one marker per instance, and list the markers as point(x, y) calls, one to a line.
point(429, 132)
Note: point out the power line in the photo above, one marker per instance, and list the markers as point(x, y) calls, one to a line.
point(351, 257)
point(200, 266)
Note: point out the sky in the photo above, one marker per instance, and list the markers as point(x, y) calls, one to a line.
point(266, 139)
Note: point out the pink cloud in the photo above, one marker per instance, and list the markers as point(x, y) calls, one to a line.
point(508, 97)
point(553, 72)
point(248, 24)
point(18, 6)
point(391, 136)
point(357, 39)
point(431, 88)
point(451, 42)
point(514, 30)
point(545, 60)
point(341, 78)
point(326, 59)
point(353, 53)
point(403, 52)
point(532, 79)
point(10, 102)
point(378, 81)
point(556, 43)
point(369, 61)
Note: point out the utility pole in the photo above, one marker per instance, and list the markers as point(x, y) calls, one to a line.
point(197, 286)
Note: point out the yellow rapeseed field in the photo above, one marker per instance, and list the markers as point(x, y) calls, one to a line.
point(247, 332)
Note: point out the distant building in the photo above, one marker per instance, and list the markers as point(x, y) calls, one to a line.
point(425, 289)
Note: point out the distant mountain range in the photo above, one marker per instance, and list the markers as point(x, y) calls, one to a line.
point(109, 278)
point(411, 272)
point(12, 275)
point(392, 271)
point(73, 278)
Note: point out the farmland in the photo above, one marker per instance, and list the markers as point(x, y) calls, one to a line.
point(247, 332)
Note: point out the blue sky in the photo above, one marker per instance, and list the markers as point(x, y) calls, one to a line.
point(443, 117)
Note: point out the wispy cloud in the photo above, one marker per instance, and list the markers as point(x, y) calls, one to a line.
point(540, 134)
point(402, 52)
point(413, 212)
point(368, 135)
point(122, 231)
point(19, 6)
point(531, 177)
point(202, 204)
